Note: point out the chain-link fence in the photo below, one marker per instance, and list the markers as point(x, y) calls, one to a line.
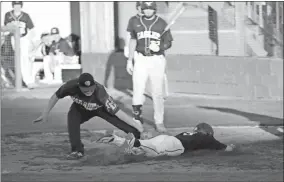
point(10, 63)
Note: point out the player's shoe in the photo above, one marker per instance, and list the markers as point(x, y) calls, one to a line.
point(161, 128)
point(75, 156)
point(112, 139)
point(137, 113)
point(107, 139)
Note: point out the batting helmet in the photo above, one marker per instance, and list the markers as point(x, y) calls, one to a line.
point(148, 5)
point(204, 128)
point(138, 4)
point(17, 2)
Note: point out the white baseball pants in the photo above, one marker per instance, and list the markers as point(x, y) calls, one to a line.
point(26, 62)
point(52, 64)
point(162, 145)
point(152, 68)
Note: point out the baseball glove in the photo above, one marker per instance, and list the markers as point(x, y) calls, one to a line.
point(154, 46)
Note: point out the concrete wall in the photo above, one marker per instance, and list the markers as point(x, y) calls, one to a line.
point(248, 78)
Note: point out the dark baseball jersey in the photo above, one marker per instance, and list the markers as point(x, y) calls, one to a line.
point(23, 20)
point(99, 99)
point(145, 31)
point(62, 46)
point(198, 141)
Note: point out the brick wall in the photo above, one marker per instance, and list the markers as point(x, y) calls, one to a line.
point(249, 78)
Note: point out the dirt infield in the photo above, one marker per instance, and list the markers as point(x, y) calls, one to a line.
point(259, 156)
point(37, 152)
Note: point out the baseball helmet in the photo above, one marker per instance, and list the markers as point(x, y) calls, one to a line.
point(148, 5)
point(17, 2)
point(138, 3)
point(204, 128)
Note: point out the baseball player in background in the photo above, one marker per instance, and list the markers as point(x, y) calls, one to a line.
point(40, 50)
point(126, 52)
point(18, 18)
point(90, 99)
point(201, 138)
point(149, 60)
point(60, 53)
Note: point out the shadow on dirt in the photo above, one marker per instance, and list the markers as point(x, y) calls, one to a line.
point(264, 121)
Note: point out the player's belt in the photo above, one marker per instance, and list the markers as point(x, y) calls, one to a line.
point(151, 54)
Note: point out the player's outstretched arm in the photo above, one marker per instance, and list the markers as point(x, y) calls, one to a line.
point(129, 120)
point(217, 145)
point(51, 103)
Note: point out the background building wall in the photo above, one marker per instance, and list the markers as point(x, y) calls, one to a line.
point(234, 76)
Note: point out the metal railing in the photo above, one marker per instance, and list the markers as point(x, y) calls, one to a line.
point(268, 16)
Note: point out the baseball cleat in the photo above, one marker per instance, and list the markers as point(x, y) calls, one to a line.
point(106, 139)
point(75, 155)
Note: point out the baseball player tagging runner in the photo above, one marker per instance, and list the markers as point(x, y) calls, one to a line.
point(21, 19)
point(149, 61)
point(165, 145)
point(90, 99)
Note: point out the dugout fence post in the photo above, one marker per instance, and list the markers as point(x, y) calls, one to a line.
point(240, 8)
point(18, 74)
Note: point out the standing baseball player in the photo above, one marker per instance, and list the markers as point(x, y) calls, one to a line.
point(150, 42)
point(126, 51)
point(90, 99)
point(201, 138)
point(22, 20)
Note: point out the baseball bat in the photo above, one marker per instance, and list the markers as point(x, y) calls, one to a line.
point(174, 16)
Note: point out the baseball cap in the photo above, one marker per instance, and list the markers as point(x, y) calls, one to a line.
point(54, 31)
point(86, 80)
point(17, 2)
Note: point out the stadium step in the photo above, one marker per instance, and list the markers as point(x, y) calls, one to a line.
point(198, 43)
